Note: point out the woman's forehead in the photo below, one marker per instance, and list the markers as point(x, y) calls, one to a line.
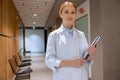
point(69, 7)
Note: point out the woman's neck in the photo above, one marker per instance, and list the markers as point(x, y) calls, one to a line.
point(68, 26)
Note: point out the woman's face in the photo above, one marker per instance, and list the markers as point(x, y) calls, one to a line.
point(68, 14)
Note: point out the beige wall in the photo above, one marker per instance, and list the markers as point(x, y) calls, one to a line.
point(95, 29)
point(111, 29)
point(105, 19)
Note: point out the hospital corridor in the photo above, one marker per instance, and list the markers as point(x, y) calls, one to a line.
point(39, 37)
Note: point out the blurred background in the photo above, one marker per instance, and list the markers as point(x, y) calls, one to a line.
point(25, 25)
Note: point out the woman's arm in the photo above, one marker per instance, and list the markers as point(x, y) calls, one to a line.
point(72, 63)
point(51, 60)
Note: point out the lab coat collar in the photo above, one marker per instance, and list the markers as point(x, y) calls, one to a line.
point(61, 29)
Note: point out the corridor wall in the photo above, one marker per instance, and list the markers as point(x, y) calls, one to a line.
point(105, 20)
point(9, 37)
point(2, 59)
point(0, 14)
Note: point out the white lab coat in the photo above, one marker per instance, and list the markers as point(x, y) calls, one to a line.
point(61, 46)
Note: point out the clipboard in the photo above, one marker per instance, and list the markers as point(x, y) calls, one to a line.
point(95, 41)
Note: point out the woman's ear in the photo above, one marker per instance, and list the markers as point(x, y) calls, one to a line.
point(60, 15)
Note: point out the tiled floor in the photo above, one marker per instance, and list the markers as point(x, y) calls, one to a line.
point(40, 70)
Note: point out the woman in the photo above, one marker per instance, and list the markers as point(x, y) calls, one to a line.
point(66, 46)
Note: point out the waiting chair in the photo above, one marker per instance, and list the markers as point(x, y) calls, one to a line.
point(23, 59)
point(22, 77)
point(19, 63)
point(19, 71)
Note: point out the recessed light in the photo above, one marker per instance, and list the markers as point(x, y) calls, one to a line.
point(35, 14)
point(34, 22)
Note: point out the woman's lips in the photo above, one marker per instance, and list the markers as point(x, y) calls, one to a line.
point(69, 19)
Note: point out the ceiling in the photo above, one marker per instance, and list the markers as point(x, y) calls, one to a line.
point(34, 12)
point(40, 13)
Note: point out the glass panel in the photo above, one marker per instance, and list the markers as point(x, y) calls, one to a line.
point(21, 47)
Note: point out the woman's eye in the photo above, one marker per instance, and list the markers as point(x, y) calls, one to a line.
point(72, 12)
point(66, 11)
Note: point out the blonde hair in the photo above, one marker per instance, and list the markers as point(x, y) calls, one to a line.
point(65, 4)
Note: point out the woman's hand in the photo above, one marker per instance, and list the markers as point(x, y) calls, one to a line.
point(78, 62)
point(91, 51)
point(72, 63)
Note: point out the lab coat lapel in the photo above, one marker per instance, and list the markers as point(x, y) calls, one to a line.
point(74, 33)
point(61, 30)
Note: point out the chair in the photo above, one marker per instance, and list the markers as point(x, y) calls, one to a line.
point(22, 77)
point(26, 55)
point(19, 63)
point(19, 71)
point(23, 59)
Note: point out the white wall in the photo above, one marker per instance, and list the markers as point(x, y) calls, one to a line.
point(85, 7)
point(34, 40)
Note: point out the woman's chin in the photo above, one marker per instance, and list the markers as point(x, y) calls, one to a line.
point(70, 23)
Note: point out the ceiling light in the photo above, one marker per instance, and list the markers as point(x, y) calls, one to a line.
point(35, 14)
point(34, 22)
